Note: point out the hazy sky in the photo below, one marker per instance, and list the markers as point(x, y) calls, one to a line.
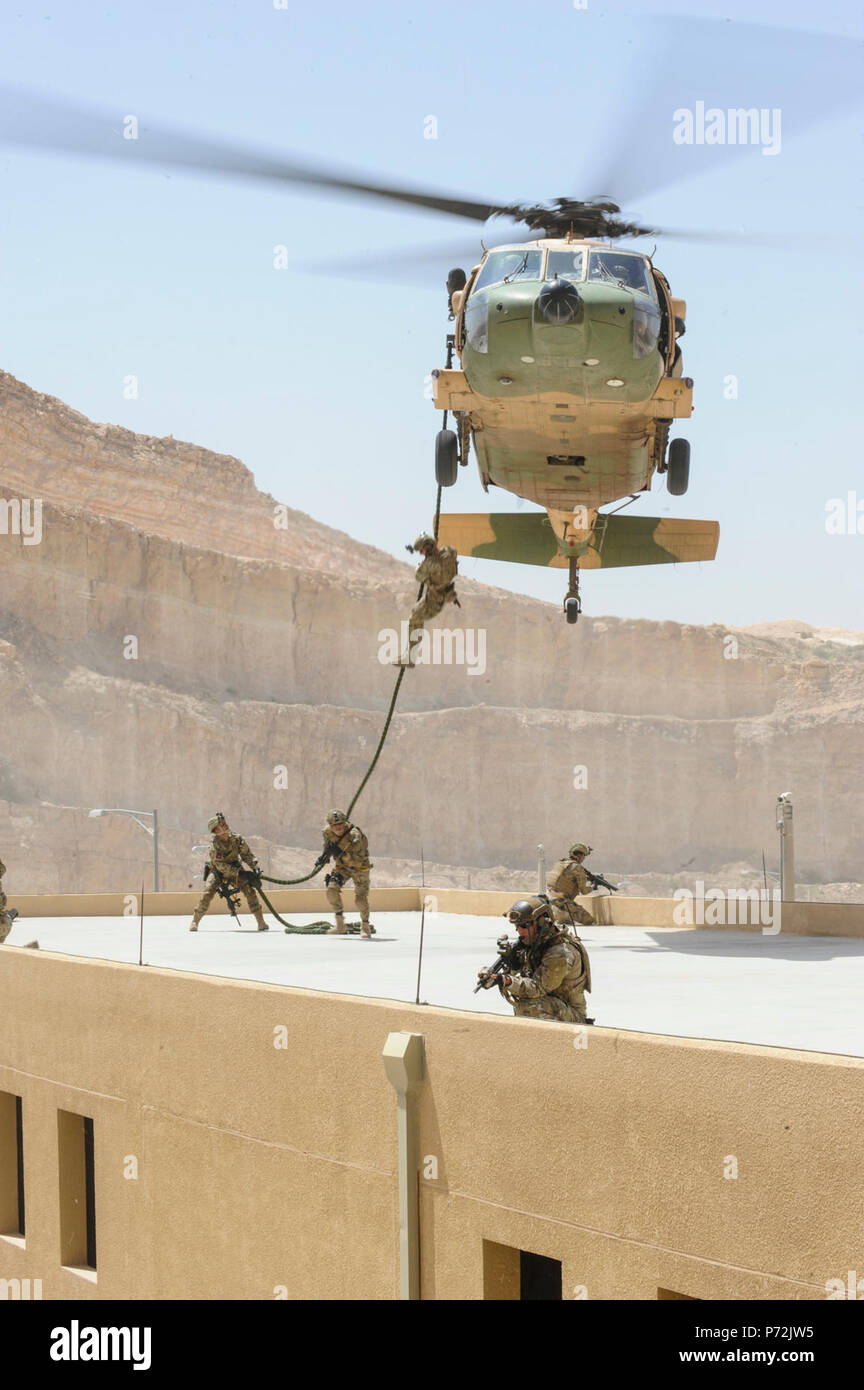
point(316, 380)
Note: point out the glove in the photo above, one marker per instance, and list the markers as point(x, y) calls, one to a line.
point(336, 879)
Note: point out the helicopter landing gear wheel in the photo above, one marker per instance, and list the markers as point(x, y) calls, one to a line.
point(573, 603)
point(678, 468)
point(446, 458)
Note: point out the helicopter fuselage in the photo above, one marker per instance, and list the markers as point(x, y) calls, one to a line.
point(568, 361)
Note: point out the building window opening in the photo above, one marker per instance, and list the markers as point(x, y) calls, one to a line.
point(12, 1214)
point(77, 1167)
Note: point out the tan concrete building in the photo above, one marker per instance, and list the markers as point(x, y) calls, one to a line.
point(166, 1135)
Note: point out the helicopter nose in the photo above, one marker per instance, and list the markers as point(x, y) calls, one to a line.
point(558, 301)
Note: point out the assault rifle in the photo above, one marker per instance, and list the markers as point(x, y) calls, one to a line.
point(504, 963)
point(325, 855)
point(598, 881)
point(335, 853)
point(224, 889)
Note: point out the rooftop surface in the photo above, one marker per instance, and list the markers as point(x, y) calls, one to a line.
point(782, 991)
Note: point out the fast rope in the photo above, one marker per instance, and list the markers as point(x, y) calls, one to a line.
point(289, 882)
point(318, 928)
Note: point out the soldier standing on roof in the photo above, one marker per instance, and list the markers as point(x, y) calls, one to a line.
point(6, 918)
point(567, 881)
point(347, 847)
point(228, 853)
point(437, 573)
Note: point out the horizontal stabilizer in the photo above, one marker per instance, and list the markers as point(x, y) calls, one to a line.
point(615, 542)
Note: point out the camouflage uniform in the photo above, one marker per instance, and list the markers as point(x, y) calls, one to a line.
point(227, 858)
point(350, 861)
point(437, 573)
point(568, 880)
point(554, 973)
point(5, 919)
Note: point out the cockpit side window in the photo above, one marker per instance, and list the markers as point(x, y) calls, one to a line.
point(621, 268)
point(501, 266)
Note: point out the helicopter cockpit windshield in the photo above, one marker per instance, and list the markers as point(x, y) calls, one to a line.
point(565, 265)
point(621, 268)
point(506, 266)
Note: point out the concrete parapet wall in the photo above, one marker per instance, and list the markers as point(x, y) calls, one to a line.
point(167, 904)
point(798, 919)
point(245, 1142)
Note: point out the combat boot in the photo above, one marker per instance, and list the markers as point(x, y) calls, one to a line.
point(193, 925)
point(365, 930)
point(339, 929)
point(262, 925)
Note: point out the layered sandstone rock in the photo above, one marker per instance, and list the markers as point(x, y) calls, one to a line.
point(141, 667)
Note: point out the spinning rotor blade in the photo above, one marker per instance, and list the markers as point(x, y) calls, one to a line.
point(62, 126)
point(799, 78)
point(765, 83)
point(413, 266)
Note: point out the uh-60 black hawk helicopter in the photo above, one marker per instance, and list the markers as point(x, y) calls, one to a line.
point(570, 377)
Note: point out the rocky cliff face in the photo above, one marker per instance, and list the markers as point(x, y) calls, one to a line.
point(148, 662)
point(164, 487)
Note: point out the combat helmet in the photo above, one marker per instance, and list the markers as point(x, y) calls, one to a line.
point(215, 821)
point(336, 817)
point(424, 542)
point(534, 910)
point(579, 849)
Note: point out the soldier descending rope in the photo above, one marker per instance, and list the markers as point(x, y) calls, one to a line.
point(437, 574)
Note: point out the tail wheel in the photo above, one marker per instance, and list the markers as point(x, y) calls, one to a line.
point(572, 609)
point(446, 458)
point(678, 468)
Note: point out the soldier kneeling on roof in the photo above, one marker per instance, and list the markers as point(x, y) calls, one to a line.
point(547, 973)
point(567, 880)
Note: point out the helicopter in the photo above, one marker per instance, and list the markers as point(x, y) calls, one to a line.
point(570, 373)
point(570, 378)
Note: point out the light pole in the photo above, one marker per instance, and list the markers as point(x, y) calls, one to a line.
point(151, 830)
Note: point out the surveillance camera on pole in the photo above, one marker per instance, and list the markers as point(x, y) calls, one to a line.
point(786, 830)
